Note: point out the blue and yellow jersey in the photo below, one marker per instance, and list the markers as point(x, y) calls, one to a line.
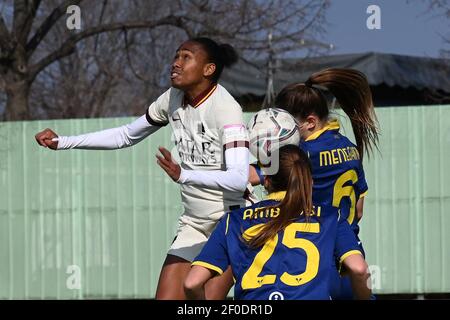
point(337, 171)
point(295, 264)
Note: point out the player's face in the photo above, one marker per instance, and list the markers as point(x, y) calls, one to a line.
point(188, 67)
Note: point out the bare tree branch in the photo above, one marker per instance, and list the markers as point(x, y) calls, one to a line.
point(69, 45)
point(88, 80)
point(127, 49)
point(48, 23)
point(5, 37)
point(27, 17)
point(20, 16)
point(100, 19)
point(293, 35)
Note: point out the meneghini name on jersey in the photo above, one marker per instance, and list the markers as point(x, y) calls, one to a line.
point(271, 212)
point(336, 156)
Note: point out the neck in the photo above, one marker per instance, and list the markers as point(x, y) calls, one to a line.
point(197, 90)
point(319, 126)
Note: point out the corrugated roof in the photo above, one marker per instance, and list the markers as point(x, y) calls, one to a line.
point(380, 68)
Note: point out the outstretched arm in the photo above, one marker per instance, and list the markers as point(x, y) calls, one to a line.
point(115, 138)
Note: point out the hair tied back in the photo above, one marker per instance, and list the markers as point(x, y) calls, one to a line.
point(308, 83)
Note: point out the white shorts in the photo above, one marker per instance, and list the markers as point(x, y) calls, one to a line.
point(192, 234)
point(191, 238)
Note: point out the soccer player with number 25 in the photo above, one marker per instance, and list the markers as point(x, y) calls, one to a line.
point(282, 247)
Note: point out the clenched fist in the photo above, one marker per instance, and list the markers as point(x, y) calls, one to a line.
point(44, 138)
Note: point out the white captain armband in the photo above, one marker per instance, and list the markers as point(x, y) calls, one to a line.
point(235, 136)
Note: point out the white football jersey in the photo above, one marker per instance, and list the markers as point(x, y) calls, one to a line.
point(198, 133)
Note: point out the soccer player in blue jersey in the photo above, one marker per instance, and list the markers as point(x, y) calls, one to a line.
point(282, 247)
point(336, 162)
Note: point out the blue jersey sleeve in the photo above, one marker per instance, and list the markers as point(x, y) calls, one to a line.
point(361, 187)
point(214, 254)
point(346, 242)
point(259, 172)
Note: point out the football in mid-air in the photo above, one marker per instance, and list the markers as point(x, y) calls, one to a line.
point(269, 130)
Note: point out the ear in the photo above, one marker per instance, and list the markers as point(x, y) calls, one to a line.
point(209, 69)
point(311, 122)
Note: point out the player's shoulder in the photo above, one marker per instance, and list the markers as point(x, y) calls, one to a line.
point(222, 99)
point(223, 92)
point(171, 96)
point(344, 141)
point(334, 138)
point(332, 141)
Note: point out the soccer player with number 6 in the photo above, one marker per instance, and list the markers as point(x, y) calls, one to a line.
point(337, 168)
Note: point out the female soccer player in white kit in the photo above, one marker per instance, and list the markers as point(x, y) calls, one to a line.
point(212, 143)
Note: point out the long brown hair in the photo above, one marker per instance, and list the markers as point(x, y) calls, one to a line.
point(352, 92)
point(294, 177)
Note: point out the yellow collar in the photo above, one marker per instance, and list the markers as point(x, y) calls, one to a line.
point(331, 125)
point(277, 196)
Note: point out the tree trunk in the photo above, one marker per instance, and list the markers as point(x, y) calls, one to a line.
point(17, 99)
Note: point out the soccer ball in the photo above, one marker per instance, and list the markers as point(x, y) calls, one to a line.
point(269, 130)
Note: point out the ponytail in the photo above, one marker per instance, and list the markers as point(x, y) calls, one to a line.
point(228, 55)
point(294, 176)
point(352, 91)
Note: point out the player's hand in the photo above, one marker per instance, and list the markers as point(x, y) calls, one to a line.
point(44, 138)
point(171, 167)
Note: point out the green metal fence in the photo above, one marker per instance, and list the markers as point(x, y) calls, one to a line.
point(106, 218)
